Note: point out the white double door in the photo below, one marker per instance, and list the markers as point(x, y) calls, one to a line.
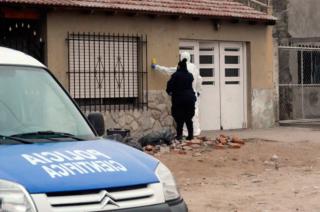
point(223, 71)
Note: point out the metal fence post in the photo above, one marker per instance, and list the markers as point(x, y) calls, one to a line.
point(302, 85)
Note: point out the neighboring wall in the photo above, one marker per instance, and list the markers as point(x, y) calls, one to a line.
point(163, 43)
point(298, 23)
point(303, 18)
point(281, 30)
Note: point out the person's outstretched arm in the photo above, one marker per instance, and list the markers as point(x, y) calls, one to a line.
point(164, 69)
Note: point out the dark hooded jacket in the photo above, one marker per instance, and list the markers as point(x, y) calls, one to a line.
point(179, 87)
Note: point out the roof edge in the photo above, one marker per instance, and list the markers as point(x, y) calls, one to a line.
point(268, 19)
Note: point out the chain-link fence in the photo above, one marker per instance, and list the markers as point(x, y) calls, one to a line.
point(299, 82)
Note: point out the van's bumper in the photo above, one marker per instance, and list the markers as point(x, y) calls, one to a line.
point(172, 206)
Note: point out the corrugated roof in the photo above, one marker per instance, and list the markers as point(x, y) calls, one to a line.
point(210, 8)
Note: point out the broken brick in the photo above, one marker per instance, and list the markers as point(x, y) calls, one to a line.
point(223, 136)
point(237, 140)
point(149, 152)
point(149, 148)
point(234, 146)
point(197, 154)
point(182, 152)
point(187, 148)
point(195, 146)
point(210, 143)
point(196, 141)
point(203, 138)
point(219, 146)
point(223, 140)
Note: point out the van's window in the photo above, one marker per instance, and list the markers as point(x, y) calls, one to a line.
point(31, 101)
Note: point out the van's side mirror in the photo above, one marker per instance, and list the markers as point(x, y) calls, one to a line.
point(97, 121)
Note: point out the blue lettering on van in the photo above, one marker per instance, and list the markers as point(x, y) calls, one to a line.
point(59, 164)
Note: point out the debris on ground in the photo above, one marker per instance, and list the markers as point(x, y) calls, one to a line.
point(274, 161)
point(233, 142)
point(164, 136)
point(196, 146)
point(125, 140)
point(163, 142)
point(274, 158)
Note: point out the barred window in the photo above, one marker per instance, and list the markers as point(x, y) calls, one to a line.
point(107, 72)
point(310, 63)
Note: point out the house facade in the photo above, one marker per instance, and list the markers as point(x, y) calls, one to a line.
point(102, 52)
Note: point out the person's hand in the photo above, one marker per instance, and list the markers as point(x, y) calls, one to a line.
point(153, 63)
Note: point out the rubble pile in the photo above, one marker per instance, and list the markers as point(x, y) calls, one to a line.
point(163, 142)
point(196, 146)
point(223, 142)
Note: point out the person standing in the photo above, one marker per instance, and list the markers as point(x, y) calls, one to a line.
point(183, 99)
point(197, 86)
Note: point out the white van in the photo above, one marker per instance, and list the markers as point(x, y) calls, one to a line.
point(52, 158)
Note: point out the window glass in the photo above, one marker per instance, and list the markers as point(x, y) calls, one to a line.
point(206, 59)
point(232, 59)
point(186, 48)
point(232, 82)
point(31, 101)
point(208, 83)
point(191, 58)
point(231, 49)
point(232, 72)
point(310, 72)
point(207, 72)
point(202, 49)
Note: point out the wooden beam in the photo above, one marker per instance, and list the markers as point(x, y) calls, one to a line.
point(131, 14)
point(252, 22)
point(271, 23)
point(195, 18)
point(87, 11)
point(21, 14)
point(235, 21)
point(111, 12)
point(175, 17)
point(153, 16)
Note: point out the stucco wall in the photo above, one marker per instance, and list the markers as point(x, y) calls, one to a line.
point(163, 42)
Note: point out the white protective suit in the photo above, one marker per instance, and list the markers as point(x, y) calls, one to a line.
point(197, 84)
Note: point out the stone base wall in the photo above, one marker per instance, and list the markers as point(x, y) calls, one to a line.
point(142, 122)
point(263, 108)
point(158, 116)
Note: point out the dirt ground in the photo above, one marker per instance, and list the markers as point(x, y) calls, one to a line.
point(248, 179)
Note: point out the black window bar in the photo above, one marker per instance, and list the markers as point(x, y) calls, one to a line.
point(108, 71)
